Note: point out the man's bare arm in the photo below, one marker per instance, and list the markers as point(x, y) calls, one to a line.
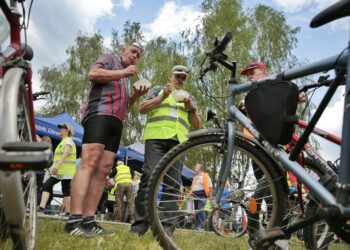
point(101, 76)
point(151, 104)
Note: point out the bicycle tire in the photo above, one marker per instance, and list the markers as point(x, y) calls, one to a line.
point(22, 229)
point(242, 149)
point(317, 235)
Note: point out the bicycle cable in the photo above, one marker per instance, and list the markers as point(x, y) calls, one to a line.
point(25, 24)
point(341, 53)
point(206, 91)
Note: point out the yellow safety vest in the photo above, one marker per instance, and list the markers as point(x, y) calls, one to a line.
point(68, 167)
point(123, 174)
point(290, 184)
point(170, 119)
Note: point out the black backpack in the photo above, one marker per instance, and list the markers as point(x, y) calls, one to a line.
point(272, 109)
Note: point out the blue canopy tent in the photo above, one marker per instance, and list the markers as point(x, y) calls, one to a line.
point(134, 157)
point(48, 126)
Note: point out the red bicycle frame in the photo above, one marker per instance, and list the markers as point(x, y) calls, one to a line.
point(16, 50)
point(310, 151)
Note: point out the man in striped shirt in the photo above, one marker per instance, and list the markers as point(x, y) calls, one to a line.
point(108, 100)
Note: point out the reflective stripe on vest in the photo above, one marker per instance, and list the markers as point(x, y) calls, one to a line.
point(68, 167)
point(168, 120)
point(123, 174)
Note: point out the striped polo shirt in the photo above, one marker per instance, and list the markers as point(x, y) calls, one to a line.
point(108, 98)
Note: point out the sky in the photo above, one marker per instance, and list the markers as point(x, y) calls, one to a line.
point(55, 24)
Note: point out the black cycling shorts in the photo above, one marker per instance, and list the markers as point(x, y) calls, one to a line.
point(103, 129)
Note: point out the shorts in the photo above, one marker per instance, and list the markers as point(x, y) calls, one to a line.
point(103, 129)
point(52, 181)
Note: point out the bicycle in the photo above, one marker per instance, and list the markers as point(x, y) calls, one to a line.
point(264, 185)
point(19, 154)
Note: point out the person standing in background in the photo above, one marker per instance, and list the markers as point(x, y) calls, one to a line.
point(201, 190)
point(63, 168)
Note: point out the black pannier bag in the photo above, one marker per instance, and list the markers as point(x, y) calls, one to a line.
point(272, 109)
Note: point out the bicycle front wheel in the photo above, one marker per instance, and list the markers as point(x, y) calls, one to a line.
point(18, 189)
point(252, 177)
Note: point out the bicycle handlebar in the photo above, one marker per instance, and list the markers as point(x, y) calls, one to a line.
point(38, 94)
point(217, 55)
point(220, 46)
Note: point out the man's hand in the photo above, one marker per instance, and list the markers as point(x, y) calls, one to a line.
point(189, 104)
point(141, 91)
point(131, 70)
point(167, 89)
point(54, 170)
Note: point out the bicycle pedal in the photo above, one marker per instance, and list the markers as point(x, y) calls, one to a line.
point(25, 156)
point(265, 238)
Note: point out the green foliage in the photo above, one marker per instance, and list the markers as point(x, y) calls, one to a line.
point(68, 82)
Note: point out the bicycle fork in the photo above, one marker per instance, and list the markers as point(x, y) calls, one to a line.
point(225, 166)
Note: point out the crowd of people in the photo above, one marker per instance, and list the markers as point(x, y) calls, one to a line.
point(101, 178)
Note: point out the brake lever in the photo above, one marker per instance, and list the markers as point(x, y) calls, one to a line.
point(213, 66)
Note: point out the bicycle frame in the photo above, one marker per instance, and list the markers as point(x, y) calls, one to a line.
point(316, 188)
point(16, 50)
point(309, 149)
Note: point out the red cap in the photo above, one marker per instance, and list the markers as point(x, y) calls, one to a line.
point(253, 65)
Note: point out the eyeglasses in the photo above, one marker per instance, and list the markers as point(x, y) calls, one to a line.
point(181, 76)
point(63, 126)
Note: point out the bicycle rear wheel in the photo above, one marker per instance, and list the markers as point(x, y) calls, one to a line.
point(229, 222)
point(252, 176)
point(18, 188)
point(317, 235)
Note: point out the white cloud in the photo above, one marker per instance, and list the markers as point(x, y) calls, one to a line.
point(322, 4)
point(54, 25)
point(126, 4)
point(331, 121)
point(172, 19)
point(292, 5)
point(332, 117)
point(298, 5)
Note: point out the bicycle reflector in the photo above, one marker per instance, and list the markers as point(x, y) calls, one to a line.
point(252, 206)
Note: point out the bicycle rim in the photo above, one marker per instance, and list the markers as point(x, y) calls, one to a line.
point(267, 190)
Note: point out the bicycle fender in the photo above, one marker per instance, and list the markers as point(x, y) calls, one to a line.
point(253, 141)
point(8, 93)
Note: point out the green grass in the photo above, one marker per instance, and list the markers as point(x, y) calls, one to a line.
point(51, 236)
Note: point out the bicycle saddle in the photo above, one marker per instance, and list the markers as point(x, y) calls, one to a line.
point(338, 10)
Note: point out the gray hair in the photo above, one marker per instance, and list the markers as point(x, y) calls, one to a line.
point(137, 45)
